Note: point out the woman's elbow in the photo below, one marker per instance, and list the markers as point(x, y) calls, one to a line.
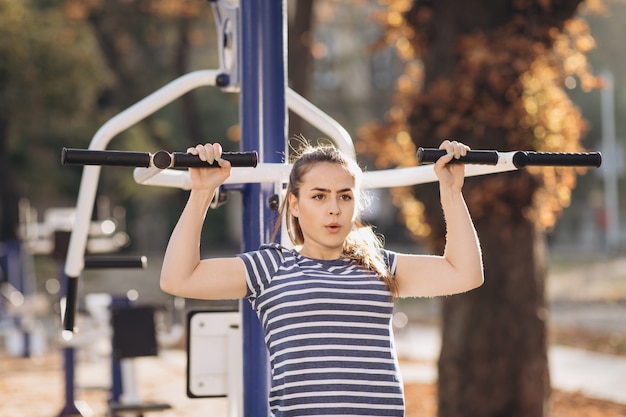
point(167, 284)
point(479, 281)
point(476, 280)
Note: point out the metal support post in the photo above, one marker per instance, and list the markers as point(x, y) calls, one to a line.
point(263, 127)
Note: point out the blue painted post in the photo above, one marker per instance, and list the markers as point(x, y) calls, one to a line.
point(263, 128)
point(255, 361)
point(14, 273)
point(274, 78)
point(69, 365)
point(117, 388)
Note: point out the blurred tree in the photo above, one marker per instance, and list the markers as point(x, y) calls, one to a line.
point(50, 78)
point(490, 74)
point(145, 44)
point(588, 206)
point(69, 66)
point(299, 55)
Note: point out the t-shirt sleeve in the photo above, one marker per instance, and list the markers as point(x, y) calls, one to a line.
point(391, 260)
point(261, 266)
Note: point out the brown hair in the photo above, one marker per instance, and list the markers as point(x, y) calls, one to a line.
point(361, 244)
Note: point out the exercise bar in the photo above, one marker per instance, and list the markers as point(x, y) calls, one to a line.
point(159, 159)
point(520, 159)
point(115, 262)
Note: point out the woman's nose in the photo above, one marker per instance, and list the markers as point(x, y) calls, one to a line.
point(334, 207)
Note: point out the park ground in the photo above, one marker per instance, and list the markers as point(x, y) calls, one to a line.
point(587, 301)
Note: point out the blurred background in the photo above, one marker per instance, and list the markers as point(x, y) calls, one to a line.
point(397, 74)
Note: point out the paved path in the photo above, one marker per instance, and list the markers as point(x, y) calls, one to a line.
point(596, 375)
point(37, 386)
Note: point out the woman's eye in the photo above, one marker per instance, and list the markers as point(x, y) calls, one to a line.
point(318, 196)
point(346, 197)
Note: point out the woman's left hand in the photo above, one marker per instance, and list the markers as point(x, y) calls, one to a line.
point(451, 175)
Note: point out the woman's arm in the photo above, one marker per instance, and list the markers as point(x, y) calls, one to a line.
point(183, 272)
point(460, 268)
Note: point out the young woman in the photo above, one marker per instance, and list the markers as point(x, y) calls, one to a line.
point(326, 305)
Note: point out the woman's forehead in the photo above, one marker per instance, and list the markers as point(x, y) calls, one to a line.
point(328, 176)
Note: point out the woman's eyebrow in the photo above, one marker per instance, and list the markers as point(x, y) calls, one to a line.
point(320, 189)
point(326, 190)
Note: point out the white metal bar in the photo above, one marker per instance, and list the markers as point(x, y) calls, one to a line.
point(235, 370)
point(143, 175)
point(279, 173)
point(401, 177)
point(87, 192)
point(611, 173)
point(177, 178)
point(322, 121)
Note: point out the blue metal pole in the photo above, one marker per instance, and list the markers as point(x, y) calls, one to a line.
point(13, 269)
point(69, 365)
point(263, 128)
point(117, 387)
point(274, 78)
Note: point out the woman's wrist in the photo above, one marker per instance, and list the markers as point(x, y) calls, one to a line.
point(450, 192)
point(201, 196)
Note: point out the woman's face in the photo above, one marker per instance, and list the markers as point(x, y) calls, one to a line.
point(326, 210)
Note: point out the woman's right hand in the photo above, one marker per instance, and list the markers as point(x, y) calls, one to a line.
point(209, 178)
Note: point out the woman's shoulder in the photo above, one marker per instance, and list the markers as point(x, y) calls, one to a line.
point(276, 247)
point(271, 246)
point(391, 258)
point(267, 260)
point(272, 250)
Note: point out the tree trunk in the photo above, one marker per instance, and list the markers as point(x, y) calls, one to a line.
point(493, 360)
point(476, 58)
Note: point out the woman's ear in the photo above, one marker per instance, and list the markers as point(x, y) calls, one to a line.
point(292, 201)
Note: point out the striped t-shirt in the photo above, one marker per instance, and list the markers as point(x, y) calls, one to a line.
point(328, 331)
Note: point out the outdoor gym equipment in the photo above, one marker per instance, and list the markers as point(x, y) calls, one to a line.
point(251, 62)
point(154, 169)
point(70, 408)
point(479, 162)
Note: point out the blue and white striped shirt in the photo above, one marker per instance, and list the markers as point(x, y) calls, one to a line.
point(328, 331)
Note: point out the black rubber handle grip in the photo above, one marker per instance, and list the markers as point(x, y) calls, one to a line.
point(236, 159)
point(523, 159)
point(116, 262)
point(425, 155)
point(71, 301)
point(108, 158)
point(160, 159)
